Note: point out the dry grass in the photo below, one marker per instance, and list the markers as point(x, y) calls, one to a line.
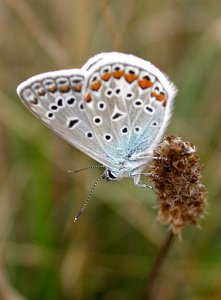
point(44, 255)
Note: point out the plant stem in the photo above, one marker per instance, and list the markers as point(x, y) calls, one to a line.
point(156, 268)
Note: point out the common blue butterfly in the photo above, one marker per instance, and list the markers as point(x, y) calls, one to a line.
point(115, 109)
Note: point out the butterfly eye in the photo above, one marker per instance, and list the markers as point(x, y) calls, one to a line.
point(110, 175)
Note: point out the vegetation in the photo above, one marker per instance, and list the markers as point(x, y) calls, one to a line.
point(110, 251)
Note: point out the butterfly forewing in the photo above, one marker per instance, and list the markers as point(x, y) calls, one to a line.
point(126, 105)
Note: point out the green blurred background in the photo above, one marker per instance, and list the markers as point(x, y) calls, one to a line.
point(108, 253)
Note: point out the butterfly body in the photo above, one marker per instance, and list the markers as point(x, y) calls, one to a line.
point(115, 109)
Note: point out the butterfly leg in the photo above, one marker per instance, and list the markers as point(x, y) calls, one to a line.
point(152, 157)
point(139, 183)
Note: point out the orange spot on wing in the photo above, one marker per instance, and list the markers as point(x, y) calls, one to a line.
point(64, 88)
point(145, 83)
point(88, 97)
point(95, 86)
point(118, 74)
point(106, 76)
point(160, 97)
point(77, 88)
point(130, 77)
point(52, 88)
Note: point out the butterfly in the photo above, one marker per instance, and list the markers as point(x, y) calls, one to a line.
point(115, 109)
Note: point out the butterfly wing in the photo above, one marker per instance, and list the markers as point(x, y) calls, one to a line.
point(128, 102)
point(115, 109)
point(56, 99)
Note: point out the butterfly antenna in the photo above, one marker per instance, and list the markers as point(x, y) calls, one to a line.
point(88, 198)
point(91, 167)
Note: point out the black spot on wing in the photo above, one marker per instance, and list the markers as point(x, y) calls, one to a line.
point(116, 116)
point(72, 123)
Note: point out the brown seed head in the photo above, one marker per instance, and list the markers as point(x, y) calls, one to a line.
point(176, 174)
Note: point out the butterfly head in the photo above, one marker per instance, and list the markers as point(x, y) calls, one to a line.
point(109, 175)
point(127, 168)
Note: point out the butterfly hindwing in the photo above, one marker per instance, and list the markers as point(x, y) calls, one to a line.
point(56, 99)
